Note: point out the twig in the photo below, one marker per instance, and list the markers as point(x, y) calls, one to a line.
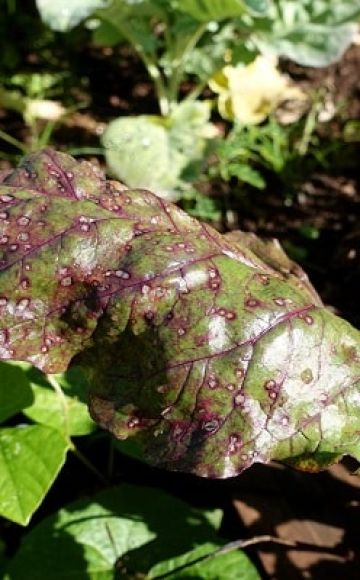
point(231, 546)
point(64, 402)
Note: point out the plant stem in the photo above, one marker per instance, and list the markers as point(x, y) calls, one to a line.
point(12, 141)
point(84, 460)
point(151, 67)
point(196, 91)
point(160, 88)
point(45, 135)
point(310, 125)
point(62, 398)
point(110, 465)
point(179, 65)
point(85, 151)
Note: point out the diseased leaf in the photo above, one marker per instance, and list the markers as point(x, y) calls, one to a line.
point(211, 353)
point(30, 459)
point(88, 539)
point(15, 392)
point(272, 254)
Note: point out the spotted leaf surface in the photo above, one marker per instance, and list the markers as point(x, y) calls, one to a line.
point(210, 352)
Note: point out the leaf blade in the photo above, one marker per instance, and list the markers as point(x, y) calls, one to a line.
point(89, 537)
point(15, 392)
point(47, 407)
point(30, 460)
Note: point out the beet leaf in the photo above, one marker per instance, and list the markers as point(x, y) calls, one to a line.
point(212, 352)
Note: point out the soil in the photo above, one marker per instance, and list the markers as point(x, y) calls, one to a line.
point(320, 512)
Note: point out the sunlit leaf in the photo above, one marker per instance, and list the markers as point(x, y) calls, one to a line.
point(312, 33)
point(69, 414)
point(125, 527)
point(30, 459)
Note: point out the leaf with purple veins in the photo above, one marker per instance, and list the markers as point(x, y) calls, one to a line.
point(211, 352)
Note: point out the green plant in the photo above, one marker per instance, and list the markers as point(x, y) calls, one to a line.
point(24, 89)
point(30, 95)
point(251, 154)
point(190, 40)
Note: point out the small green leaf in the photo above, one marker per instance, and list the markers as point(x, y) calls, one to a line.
point(87, 539)
point(15, 392)
point(310, 232)
point(107, 35)
point(48, 408)
point(246, 174)
point(205, 563)
point(351, 132)
point(134, 21)
point(30, 459)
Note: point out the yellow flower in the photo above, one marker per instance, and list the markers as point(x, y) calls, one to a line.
point(248, 93)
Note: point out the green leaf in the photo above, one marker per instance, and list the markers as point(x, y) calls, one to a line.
point(202, 206)
point(246, 174)
point(312, 45)
point(135, 22)
point(204, 562)
point(30, 459)
point(125, 526)
point(310, 33)
point(208, 57)
point(210, 352)
point(47, 407)
point(152, 152)
point(62, 15)
point(15, 392)
point(213, 10)
point(139, 153)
